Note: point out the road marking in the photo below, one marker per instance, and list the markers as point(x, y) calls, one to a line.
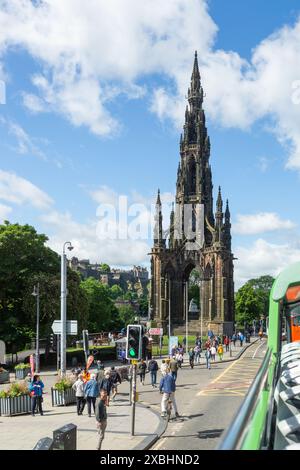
point(262, 344)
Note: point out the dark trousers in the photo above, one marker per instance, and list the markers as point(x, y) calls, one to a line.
point(36, 402)
point(153, 374)
point(142, 376)
point(90, 401)
point(80, 405)
point(174, 374)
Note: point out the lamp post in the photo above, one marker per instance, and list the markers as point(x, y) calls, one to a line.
point(169, 308)
point(36, 293)
point(63, 308)
point(187, 316)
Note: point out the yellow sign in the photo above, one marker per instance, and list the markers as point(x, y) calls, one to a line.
point(134, 361)
point(136, 396)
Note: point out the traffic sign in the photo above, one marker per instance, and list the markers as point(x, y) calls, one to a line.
point(71, 327)
point(156, 331)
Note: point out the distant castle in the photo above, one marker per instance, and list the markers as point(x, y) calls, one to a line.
point(133, 280)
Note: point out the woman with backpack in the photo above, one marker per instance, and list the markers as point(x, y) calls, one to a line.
point(207, 357)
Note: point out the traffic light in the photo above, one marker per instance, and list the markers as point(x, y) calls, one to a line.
point(134, 342)
point(53, 342)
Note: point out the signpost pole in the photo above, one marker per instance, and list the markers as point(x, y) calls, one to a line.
point(133, 399)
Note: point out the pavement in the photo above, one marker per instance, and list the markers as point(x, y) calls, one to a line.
point(24, 431)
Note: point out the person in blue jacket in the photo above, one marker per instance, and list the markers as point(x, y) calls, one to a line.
point(167, 387)
point(91, 392)
point(36, 392)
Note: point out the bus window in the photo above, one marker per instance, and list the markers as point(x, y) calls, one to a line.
point(293, 322)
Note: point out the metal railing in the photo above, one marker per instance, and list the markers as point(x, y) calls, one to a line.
point(234, 437)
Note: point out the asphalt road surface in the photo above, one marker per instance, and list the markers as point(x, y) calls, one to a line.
point(207, 401)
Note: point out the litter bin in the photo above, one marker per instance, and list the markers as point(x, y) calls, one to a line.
point(65, 438)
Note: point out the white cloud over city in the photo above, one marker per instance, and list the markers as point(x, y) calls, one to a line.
point(80, 76)
point(253, 224)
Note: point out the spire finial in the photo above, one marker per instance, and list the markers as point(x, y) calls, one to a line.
point(219, 201)
point(158, 201)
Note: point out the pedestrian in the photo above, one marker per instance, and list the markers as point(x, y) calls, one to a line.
point(106, 385)
point(220, 351)
point(115, 379)
point(164, 367)
point(28, 379)
point(36, 392)
point(213, 352)
point(197, 350)
point(100, 373)
point(142, 366)
point(99, 364)
point(78, 386)
point(191, 357)
point(226, 342)
point(153, 368)
point(207, 357)
point(234, 338)
point(260, 334)
point(179, 359)
point(241, 339)
point(167, 387)
point(173, 368)
point(101, 417)
point(91, 392)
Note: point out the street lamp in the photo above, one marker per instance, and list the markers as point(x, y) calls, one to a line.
point(36, 293)
point(63, 308)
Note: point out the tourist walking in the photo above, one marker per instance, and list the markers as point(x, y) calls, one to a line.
point(36, 392)
point(153, 368)
point(106, 385)
point(115, 379)
point(233, 339)
point(91, 392)
point(164, 367)
point(142, 366)
point(101, 417)
point(78, 386)
point(226, 342)
point(191, 357)
point(241, 339)
point(220, 352)
point(167, 387)
point(213, 352)
point(197, 351)
point(179, 359)
point(173, 368)
point(208, 358)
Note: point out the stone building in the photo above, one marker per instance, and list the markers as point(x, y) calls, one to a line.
point(135, 279)
point(197, 237)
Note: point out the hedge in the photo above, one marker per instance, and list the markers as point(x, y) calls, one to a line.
point(104, 354)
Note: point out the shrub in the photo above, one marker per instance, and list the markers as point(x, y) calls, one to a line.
point(22, 365)
point(15, 390)
point(63, 384)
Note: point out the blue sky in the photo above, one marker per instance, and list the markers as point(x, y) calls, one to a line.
point(95, 99)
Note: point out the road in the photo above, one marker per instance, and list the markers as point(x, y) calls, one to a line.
point(207, 401)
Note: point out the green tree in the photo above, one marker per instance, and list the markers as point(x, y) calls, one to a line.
point(23, 254)
point(105, 268)
point(102, 313)
point(116, 292)
point(263, 285)
point(126, 315)
point(249, 304)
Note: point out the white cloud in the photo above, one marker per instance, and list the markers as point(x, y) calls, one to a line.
point(263, 258)
point(25, 143)
point(17, 190)
point(91, 55)
point(4, 211)
point(87, 245)
point(252, 224)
